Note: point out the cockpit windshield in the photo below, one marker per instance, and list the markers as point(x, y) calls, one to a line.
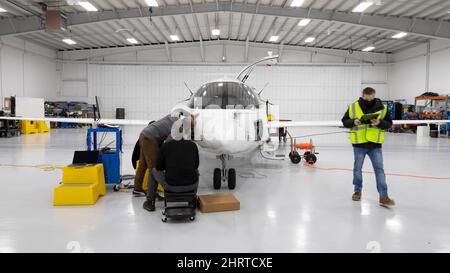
point(224, 95)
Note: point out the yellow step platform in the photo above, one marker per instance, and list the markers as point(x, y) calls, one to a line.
point(85, 175)
point(43, 127)
point(75, 194)
point(28, 127)
point(145, 182)
point(81, 185)
point(32, 127)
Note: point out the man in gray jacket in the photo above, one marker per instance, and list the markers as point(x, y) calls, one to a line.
point(150, 140)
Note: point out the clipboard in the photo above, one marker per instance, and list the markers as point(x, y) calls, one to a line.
point(369, 117)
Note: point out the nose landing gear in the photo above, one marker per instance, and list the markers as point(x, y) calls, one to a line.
point(223, 174)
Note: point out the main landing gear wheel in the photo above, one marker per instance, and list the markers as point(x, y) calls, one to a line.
point(310, 158)
point(217, 178)
point(295, 157)
point(231, 179)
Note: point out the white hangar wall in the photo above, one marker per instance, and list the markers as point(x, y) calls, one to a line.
point(27, 69)
point(408, 71)
point(308, 84)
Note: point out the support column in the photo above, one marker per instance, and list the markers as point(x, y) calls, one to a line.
point(427, 73)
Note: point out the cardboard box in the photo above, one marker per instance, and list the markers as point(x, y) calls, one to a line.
point(218, 202)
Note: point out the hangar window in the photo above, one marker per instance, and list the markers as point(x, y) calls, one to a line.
point(224, 95)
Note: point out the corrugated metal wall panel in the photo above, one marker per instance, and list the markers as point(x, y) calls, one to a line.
point(149, 92)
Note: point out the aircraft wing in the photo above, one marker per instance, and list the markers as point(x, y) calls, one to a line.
point(272, 124)
point(84, 120)
point(338, 123)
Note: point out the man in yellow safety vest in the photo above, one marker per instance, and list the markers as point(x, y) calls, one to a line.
point(367, 137)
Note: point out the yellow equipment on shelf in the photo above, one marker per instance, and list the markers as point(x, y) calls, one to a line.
point(31, 127)
point(43, 127)
point(145, 182)
point(81, 185)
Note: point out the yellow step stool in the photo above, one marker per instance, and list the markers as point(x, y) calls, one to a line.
point(75, 194)
point(81, 185)
point(145, 182)
point(42, 127)
point(28, 127)
point(32, 127)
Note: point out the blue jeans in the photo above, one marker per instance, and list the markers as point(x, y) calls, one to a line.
point(376, 156)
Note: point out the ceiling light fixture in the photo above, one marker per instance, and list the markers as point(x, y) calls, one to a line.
point(87, 6)
point(274, 38)
point(310, 39)
point(3, 10)
point(304, 22)
point(174, 38)
point(369, 48)
point(132, 40)
point(69, 41)
point(399, 35)
point(362, 6)
point(151, 3)
point(297, 3)
point(215, 32)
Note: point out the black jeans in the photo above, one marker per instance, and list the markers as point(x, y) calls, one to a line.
point(159, 177)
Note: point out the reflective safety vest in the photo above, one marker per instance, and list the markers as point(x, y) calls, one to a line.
point(364, 133)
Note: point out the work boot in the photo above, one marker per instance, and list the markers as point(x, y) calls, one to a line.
point(139, 193)
point(149, 205)
point(386, 202)
point(356, 196)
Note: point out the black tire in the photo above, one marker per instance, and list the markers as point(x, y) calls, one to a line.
point(164, 219)
point(116, 188)
point(295, 157)
point(192, 218)
point(217, 179)
point(231, 179)
point(311, 158)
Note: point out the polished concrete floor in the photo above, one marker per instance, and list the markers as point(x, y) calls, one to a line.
point(284, 207)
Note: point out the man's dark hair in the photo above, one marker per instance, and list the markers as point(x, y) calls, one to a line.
point(368, 91)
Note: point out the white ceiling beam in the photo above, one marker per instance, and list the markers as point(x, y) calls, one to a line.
point(350, 32)
point(186, 23)
point(168, 53)
point(202, 50)
point(258, 31)
point(241, 19)
point(149, 31)
point(246, 49)
point(422, 27)
point(208, 26)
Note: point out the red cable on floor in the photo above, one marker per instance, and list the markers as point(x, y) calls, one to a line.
point(388, 174)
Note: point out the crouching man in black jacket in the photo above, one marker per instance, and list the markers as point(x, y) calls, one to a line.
point(367, 138)
point(176, 170)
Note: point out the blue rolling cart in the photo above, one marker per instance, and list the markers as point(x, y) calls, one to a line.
point(109, 156)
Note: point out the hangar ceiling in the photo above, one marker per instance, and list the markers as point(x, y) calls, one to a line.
point(333, 24)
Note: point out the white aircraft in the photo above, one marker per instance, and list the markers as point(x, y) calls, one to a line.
point(230, 119)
